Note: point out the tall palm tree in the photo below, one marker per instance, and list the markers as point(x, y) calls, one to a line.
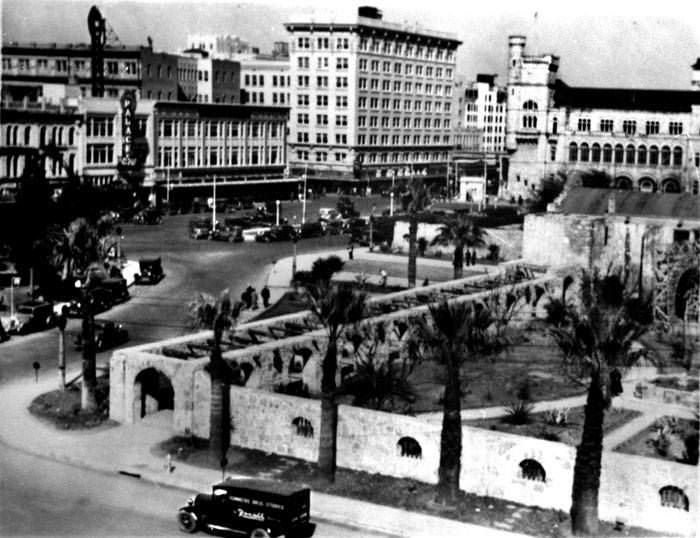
point(460, 232)
point(595, 340)
point(205, 312)
point(417, 199)
point(335, 307)
point(454, 333)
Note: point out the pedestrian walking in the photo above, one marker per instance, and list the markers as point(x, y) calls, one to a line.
point(254, 299)
point(265, 294)
point(383, 275)
point(473, 257)
point(426, 282)
point(351, 248)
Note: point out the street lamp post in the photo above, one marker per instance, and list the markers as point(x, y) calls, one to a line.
point(14, 281)
point(213, 207)
point(61, 324)
point(89, 379)
point(277, 217)
point(303, 206)
point(391, 194)
point(371, 229)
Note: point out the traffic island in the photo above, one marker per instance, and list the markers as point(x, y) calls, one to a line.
point(404, 494)
point(62, 407)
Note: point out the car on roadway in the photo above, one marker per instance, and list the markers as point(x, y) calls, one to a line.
point(200, 228)
point(232, 234)
point(310, 229)
point(32, 316)
point(101, 301)
point(284, 232)
point(108, 334)
point(251, 234)
point(150, 215)
point(252, 507)
point(150, 271)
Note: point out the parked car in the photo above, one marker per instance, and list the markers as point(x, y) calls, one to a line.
point(32, 316)
point(200, 228)
point(117, 288)
point(232, 234)
point(251, 234)
point(150, 215)
point(150, 271)
point(255, 508)
point(102, 301)
point(108, 334)
point(310, 229)
point(285, 232)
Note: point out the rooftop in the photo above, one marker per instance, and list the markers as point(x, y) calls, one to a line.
point(663, 205)
point(625, 98)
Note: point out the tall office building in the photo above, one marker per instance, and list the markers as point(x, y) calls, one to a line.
point(372, 101)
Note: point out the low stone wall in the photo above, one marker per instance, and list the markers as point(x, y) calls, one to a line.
point(646, 390)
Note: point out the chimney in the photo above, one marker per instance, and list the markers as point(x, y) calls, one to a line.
point(611, 205)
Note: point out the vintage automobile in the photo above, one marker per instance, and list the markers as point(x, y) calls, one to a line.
point(232, 234)
point(102, 300)
point(199, 229)
point(285, 232)
point(108, 334)
point(150, 215)
point(150, 271)
point(255, 508)
point(32, 316)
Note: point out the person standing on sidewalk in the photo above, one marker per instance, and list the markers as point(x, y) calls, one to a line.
point(351, 248)
point(384, 278)
point(265, 294)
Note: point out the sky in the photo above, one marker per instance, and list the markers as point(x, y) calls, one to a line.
point(604, 43)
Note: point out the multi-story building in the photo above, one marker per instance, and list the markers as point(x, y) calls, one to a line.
point(484, 112)
point(643, 139)
point(372, 100)
point(213, 80)
point(32, 70)
point(265, 80)
point(219, 46)
point(190, 145)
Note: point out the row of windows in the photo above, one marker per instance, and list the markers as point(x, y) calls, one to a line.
point(14, 166)
point(218, 129)
point(259, 80)
point(99, 154)
point(111, 67)
point(629, 127)
point(99, 127)
point(408, 123)
point(627, 155)
point(383, 140)
point(398, 68)
point(196, 156)
point(408, 50)
point(304, 81)
point(395, 104)
point(408, 87)
point(322, 138)
point(47, 135)
point(322, 62)
point(323, 43)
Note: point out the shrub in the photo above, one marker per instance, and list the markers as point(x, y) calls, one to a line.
point(438, 253)
point(323, 268)
point(518, 413)
point(557, 417)
point(494, 252)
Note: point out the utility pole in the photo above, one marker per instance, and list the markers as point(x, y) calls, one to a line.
point(303, 206)
point(61, 324)
point(213, 207)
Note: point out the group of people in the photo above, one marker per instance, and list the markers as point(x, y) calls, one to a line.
point(470, 257)
point(250, 297)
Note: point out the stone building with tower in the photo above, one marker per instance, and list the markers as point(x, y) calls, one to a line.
point(644, 139)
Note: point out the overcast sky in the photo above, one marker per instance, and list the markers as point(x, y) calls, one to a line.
point(600, 42)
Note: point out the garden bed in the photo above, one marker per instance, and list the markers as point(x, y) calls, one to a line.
point(669, 438)
point(62, 407)
point(405, 494)
point(542, 425)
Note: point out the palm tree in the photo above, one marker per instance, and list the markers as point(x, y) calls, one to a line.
point(204, 311)
point(454, 333)
point(417, 199)
point(595, 340)
point(461, 232)
point(335, 307)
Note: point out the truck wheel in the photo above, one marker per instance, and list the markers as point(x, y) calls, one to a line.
point(259, 533)
point(187, 521)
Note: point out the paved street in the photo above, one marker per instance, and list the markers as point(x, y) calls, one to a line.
point(40, 497)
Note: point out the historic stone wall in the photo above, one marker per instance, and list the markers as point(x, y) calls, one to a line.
point(276, 423)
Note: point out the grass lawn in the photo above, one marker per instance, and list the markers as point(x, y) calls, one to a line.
point(531, 369)
point(399, 493)
point(569, 433)
point(642, 444)
point(62, 407)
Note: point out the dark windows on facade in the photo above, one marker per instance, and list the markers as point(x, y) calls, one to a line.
point(674, 497)
point(652, 127)
point(629, 154)
point(677, 156)
point(409, 448)
point(607, 153)
point(595, 153)
point(619, 153)
point(675, 128)
point(584, 152)
point(641, 155)
point(606, 126)
point(653, 155)
point(573, 152)
point(629, 127)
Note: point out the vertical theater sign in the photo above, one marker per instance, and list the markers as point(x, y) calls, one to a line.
point(128, 105)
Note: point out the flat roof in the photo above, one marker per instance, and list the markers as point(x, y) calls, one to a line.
point(265, 486)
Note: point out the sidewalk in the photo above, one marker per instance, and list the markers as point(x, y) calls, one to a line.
point(127, 449)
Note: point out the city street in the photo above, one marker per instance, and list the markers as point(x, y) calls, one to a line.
point(40, 497)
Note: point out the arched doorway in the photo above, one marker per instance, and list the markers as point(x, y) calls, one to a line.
point(153, 392)
point(687, 291)
point(623, 183)
point(646, 184)
point(670, 185)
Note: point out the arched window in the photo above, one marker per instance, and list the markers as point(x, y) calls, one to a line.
point(595, 153)
point(53, 135)
point(27, 135)
point(71, 163)
point(42, 136)
point(584, 152)
point(530, 119)
point(71, 136)
point(555, 125)
point(619, 153)
point(529, 105)
point(532, 470)
point(59, 139)
point(8, 135)
point(665, 156)
point(642, 155)
point(629, 154)
point(677, 156)
point(573, 152)
point(607, 153)
point(303, 426)
point(409, 448)
point(653, 155)
point(674, 497)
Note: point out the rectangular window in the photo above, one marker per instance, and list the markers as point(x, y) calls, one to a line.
point(303, 62)
point(322, 62)
point(341, 101)
point(321, 119)
point(363, 64)
point(606, 126)
point(322, 100)
point(341, 82)
point(341, 63)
